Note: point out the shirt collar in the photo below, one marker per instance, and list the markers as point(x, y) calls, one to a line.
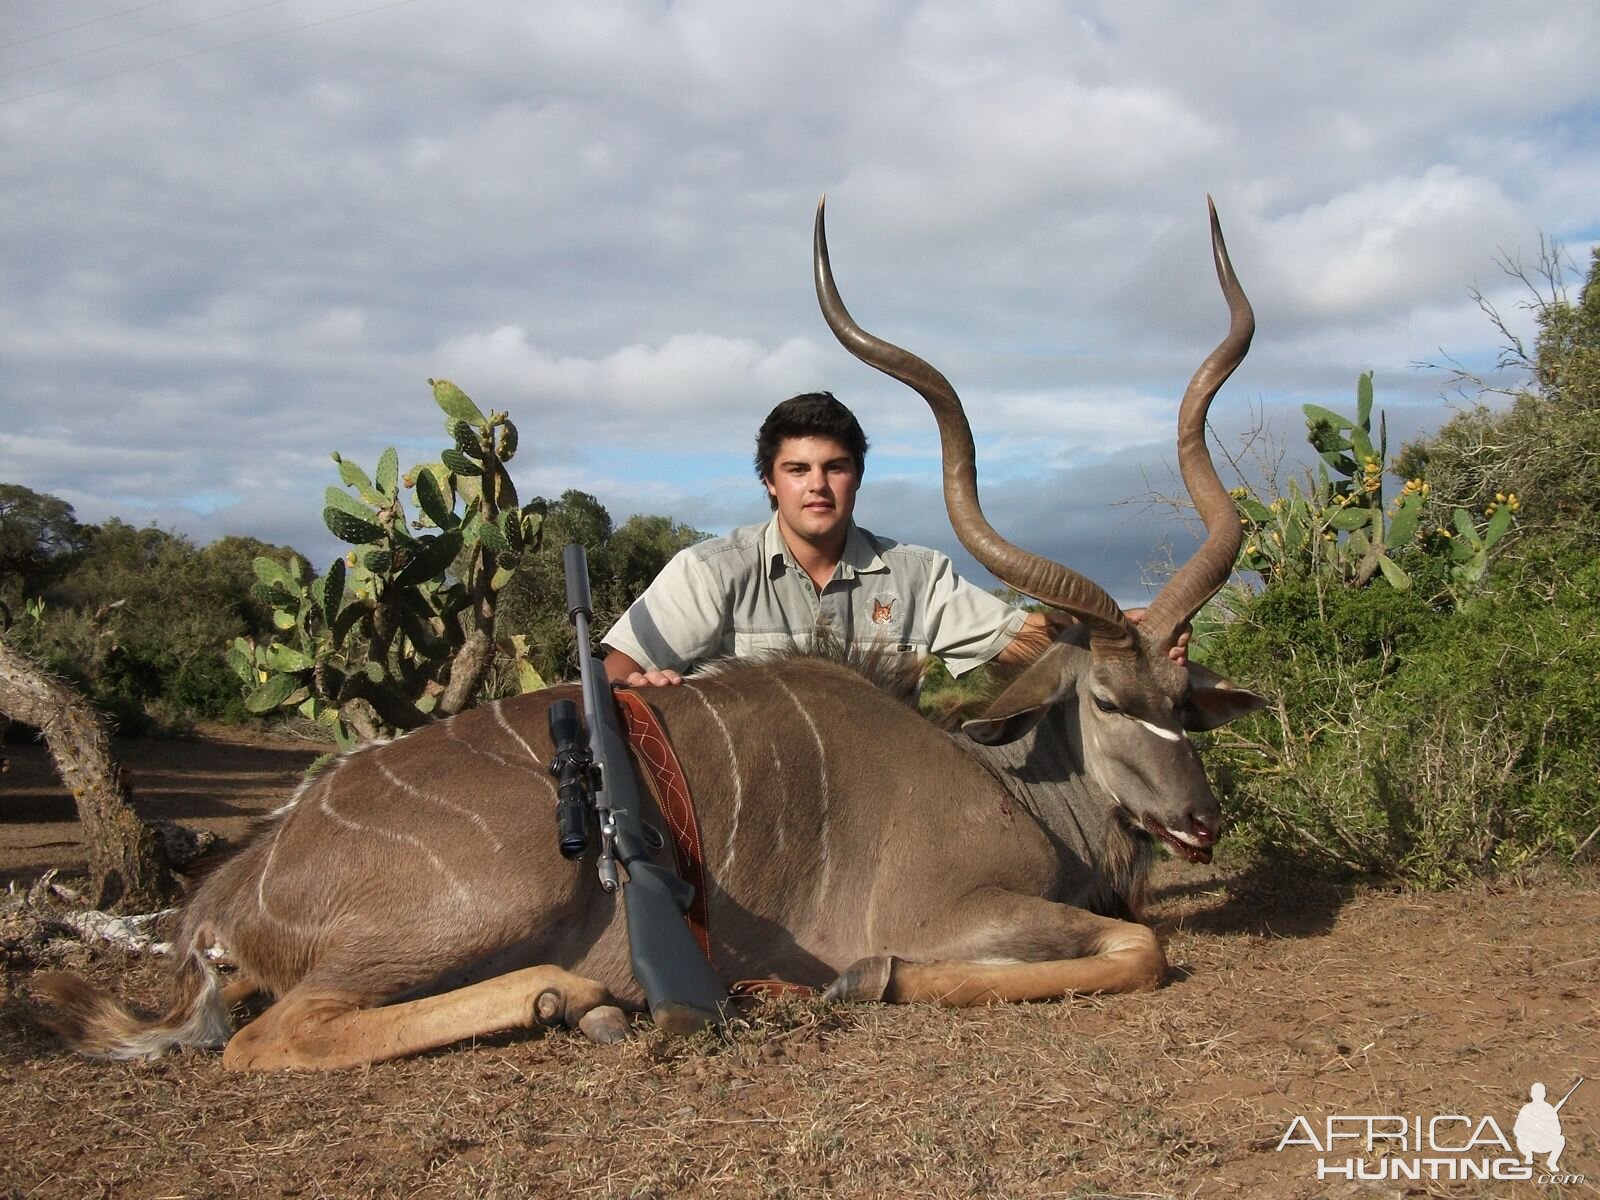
point(860, 556)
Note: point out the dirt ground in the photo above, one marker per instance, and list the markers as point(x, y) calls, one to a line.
point(1288, 997)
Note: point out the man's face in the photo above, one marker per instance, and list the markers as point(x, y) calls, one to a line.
point(814, 482)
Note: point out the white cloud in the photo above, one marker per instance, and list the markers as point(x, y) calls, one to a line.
point(598, 216)
point(695, 390)
point(1387, 246)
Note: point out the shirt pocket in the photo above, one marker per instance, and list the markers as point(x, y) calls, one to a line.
point(883, 619)
point(750, 644)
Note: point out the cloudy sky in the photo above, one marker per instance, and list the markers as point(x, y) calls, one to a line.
point(239, 236)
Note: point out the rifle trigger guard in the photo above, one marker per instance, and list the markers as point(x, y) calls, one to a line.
point(653, 837)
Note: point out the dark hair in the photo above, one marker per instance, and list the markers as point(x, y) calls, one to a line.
point(815, 414)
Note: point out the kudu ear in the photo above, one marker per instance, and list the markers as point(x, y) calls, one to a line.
point(1015, 711)
point(1213, 701)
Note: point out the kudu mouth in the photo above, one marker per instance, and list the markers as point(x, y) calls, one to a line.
point(1110, 632)
point(1195, 847)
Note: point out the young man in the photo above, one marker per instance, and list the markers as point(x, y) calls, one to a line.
point(768, 586)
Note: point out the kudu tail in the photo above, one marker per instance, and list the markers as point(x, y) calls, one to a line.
point(91, 1021)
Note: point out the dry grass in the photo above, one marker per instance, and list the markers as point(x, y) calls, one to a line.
point(1284, 999)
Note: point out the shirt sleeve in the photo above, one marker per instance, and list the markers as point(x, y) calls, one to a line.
point(677, 622)
point(966, 626)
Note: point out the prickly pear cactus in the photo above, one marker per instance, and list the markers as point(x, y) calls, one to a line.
point(1338, 528)
point(399, 631)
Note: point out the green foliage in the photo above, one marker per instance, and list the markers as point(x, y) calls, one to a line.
point(401, 629)
point(947, 700)
point(1567, 369)
point(1453, 729)
point(137, 619)
point(40, 539)
point(1546, 446)
point(622, 562)
point(1412, 741)
point(1337, 530)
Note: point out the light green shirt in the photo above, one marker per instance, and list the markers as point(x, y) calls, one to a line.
point(744, 594)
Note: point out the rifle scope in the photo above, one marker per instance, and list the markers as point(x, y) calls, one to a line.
point(570, 767)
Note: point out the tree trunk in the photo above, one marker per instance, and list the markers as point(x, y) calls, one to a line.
point(128, 872)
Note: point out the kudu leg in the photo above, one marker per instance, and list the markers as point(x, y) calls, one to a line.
point(240, 991)
point(1039, 951)
point(321, 1029)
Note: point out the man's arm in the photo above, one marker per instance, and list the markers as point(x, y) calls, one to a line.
point(676, 622)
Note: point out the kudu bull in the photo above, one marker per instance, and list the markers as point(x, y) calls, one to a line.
point(412, 895)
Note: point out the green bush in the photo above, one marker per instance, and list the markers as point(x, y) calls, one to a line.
point(1415, 741)
point(138, 621)
point(1452, 729)
point(1546, 445)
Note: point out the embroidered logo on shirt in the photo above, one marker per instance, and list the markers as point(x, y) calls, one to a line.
point(882, 611)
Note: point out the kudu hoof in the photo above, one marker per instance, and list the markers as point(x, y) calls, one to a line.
point(864, 979)
point(604, 1025)
point(549, 1007)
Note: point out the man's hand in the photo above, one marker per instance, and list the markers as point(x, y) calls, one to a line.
point(1042, 628)
point(623, 671)
point(1178, 652)
point(638, 679)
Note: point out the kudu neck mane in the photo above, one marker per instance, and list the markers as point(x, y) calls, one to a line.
point(894, 674)
point(1104, 860)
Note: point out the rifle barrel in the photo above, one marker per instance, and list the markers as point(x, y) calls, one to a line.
point(1568, 1096)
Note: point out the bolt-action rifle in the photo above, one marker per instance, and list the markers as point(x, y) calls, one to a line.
point(594, 775)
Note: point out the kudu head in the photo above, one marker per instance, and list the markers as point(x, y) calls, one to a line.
point(1133, 704)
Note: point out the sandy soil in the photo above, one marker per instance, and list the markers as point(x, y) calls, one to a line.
point(223, 779)
point(1287, 998)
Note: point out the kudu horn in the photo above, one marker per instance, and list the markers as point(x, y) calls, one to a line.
point(1050, 582)
point(1031, 574)
point(1208, 567)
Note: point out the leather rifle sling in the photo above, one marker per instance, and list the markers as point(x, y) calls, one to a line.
point(649, 741)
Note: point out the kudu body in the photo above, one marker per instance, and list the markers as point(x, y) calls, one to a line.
point(412, 894)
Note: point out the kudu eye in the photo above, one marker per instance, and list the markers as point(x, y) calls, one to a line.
point(1105, 705)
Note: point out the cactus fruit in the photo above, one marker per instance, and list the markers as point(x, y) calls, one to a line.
point(1338, 527)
